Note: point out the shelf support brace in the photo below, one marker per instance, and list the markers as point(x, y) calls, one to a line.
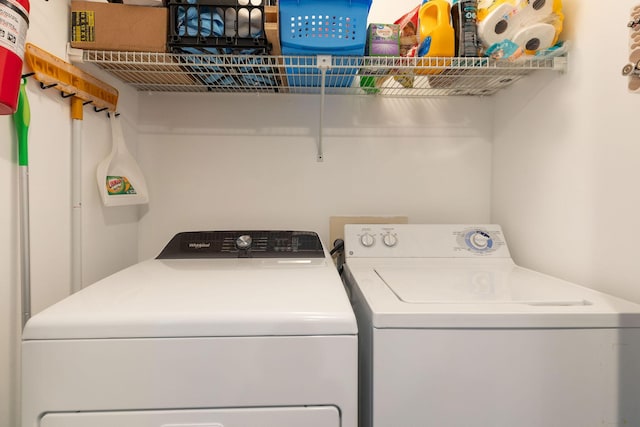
point(324, 63)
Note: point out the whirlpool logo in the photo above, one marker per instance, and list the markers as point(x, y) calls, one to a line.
point(195, 245)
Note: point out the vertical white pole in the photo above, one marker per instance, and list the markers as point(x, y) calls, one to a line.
point(76, 195)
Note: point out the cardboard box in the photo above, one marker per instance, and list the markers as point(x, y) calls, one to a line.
point(113, 26)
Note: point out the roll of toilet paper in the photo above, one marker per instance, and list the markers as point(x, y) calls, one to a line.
point(500, 23)
point(535, 37)
point(535, 10)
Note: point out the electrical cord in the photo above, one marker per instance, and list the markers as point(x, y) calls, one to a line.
point(338, 253)
point(338, 245)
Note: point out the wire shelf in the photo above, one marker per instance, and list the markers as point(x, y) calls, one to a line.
point(385, 76)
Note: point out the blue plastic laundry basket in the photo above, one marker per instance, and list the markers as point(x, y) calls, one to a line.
point(322, 27)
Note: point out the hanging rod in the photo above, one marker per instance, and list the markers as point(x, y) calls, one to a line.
point(53, 72)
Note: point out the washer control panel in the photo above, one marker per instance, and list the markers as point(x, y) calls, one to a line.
point(424, 241)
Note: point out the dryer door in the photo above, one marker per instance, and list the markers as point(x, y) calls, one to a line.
point(310, 416)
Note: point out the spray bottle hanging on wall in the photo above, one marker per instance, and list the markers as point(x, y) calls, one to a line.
point(120, 180)
point(13, 36)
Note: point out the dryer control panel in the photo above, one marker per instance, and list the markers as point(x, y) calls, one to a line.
point(244, 244)
point(424, 241)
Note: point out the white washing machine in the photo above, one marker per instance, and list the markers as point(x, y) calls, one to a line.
point(454, 334)
point(223, 329)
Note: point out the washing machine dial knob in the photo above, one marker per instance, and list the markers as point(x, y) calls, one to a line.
point(243, 242)
point(479, 240)
point(389, 240)
point(367, 240)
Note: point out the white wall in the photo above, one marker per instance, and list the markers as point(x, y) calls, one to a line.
point(110, 235)
point(231, 161)
point(567, 159)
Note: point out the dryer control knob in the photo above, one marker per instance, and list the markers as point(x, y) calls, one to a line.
point(390, 240)
point(243, 242)
point(367, 240)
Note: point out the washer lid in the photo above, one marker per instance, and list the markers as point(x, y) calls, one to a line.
point(204, 298)
point(487, 293)
point(497, 284)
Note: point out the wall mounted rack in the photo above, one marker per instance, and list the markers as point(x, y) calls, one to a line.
point(321, 74)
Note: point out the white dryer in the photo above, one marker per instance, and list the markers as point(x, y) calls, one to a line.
point(223, 329)
point(454, 334)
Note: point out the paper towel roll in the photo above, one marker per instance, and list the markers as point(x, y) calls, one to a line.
point(535, 37)
point(500, 23)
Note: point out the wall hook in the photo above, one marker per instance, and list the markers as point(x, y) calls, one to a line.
point(67, 95)
point(98, 110)
point(44, 87)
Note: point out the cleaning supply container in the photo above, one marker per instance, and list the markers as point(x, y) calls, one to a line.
point(436, 34)
point(329, 27)
point(120, 179)
point(464, 15)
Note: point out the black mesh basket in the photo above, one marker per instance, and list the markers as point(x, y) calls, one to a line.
point(217, 27)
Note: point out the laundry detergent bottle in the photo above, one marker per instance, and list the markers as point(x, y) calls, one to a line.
point(437, 36)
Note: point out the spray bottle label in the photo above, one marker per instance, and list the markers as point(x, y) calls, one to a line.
point(14, 22)
point(119, 185)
